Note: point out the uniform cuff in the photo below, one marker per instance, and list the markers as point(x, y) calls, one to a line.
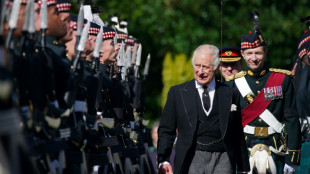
point(293, 157)
point(162, 163)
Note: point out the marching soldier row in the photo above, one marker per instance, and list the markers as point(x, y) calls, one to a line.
point(71, 92)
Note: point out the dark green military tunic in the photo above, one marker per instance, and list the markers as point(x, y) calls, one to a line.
point(61, 69)
point(284, 110)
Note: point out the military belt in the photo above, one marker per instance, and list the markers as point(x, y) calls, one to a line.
point(258, 131)
point(80, 106)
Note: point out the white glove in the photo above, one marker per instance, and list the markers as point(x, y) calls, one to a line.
point(289, 169)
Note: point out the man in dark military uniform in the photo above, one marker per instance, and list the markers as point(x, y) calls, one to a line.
point(230, 61)
point(301, 74)
point(269, 116)
point(63, 7)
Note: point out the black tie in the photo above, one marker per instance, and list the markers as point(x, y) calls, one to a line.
point(206, 98)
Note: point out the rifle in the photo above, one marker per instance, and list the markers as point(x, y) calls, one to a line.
point(254, 16)
point(77, 68)
point(93, 80)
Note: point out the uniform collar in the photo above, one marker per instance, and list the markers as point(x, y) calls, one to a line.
point(258, 73)
point(211, 86)
point(104, 68)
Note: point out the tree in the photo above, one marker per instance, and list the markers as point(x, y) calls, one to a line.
point(178, 27)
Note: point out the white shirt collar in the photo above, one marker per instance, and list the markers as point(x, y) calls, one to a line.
point(211, 85)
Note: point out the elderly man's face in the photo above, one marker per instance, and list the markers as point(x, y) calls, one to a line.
point(203, 68)
point(230, 68)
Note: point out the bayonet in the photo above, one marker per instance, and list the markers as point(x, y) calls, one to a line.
point(134, 55)
point(127, 63)
point(120, 61)
point(138, 61)
point(84, 36)
point(3, 9)
point(43, 23)
point(147, 66)
point(96, 54)
point(128, 57)
point(121, 55)
point(29, 24)
point(81, 45)
point(13, 21)
point(80, 22)
point(115, 39)
point(27, 16)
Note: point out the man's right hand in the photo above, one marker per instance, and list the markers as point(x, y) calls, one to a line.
point(165, 169)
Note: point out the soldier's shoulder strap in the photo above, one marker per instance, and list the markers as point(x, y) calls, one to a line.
point(235, 76)
point(283, 71)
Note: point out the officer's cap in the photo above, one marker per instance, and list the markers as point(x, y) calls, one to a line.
point(130, 41)
point(303, 44)
point(121, 36)
point(74, 19)
point(94, 29)
point(230, 54)
point(251, 41)
point(48, 2)
point(108, 33)
point(63, 6)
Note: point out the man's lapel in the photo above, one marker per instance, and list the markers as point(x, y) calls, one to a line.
point(188, 95)
point(225, 100)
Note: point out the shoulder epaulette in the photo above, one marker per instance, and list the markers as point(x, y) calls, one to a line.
point(235, 76)
point(283, 71)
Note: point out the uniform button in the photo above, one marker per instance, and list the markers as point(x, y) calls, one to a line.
point(258, 92)
point(257, 82)
point(260, 120)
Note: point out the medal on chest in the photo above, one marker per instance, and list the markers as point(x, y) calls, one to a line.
point(272, 93)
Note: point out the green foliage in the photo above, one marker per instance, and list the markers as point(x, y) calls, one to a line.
point(176, 70)
point(179, 26)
